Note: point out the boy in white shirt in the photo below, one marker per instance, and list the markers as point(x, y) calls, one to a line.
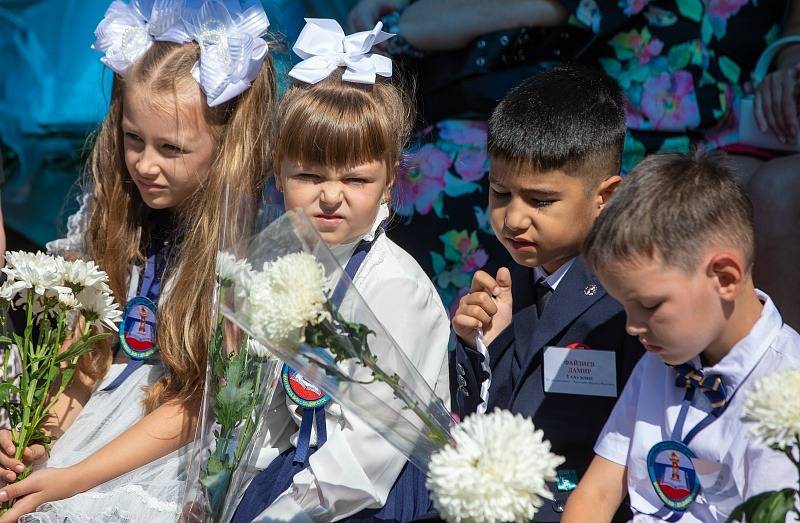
point(675, 247)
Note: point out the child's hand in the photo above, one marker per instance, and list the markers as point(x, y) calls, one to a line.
point(40, 487)
point(487, 305)
point(33, 454)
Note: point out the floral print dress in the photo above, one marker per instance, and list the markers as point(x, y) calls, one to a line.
point(683, 66)
point(440, 207)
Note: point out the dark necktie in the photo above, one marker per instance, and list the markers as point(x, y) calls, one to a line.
point(543, 292)
point(711, 385)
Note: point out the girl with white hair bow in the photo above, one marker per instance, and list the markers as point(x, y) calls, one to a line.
point(193, 93)
point(339, 133)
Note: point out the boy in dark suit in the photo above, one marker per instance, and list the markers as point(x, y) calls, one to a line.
point(552, 345)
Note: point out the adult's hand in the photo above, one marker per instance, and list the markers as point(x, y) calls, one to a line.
point(366, 13)
point(446, 25)
point(776, 103)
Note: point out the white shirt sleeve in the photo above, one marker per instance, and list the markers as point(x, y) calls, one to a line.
point(356, 468)
point(614, 441)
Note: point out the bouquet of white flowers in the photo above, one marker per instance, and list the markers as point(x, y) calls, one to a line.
point(773, 406)
point(67, 305)
point(299, 304)
point(240, 378)
point(239, 386)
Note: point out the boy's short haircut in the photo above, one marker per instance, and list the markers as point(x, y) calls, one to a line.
point(673, 206)
point(568, 118)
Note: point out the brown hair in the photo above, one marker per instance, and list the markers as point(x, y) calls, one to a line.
point(340, 123)
point(241, 131)
point(673, 206)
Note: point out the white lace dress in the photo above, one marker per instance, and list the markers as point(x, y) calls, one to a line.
point(149, 494)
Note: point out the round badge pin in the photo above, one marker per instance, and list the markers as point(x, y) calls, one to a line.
point(137, 334)
point(301, 391)
point(672, 474)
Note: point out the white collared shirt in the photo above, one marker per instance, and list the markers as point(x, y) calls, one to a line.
point(552, 279)
point(356, 468)
point(732, 465)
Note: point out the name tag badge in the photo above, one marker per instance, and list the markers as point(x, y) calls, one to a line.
point(580, 371)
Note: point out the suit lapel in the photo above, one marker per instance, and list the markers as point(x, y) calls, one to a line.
point(576, 292)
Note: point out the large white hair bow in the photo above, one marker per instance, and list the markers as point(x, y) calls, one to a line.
point(231, 47)
point(323, 47)
point(128, 30)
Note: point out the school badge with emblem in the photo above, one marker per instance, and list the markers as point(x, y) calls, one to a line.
point(672, 474)
point(137, 335)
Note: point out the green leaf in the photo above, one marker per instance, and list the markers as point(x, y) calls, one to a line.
point(7, 390)
point(216, 486)
point(775, 507)
point(691, 9)
point(767, 507)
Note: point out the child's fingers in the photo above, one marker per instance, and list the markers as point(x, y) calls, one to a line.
point(477, 312)
point(480, 299)
point(20, 508)
point(503, 277)
point(34, 454)
point(483, 281)
point(6, 444)
point(17, 490)
point(465, 324)
point(9, 463)
point(8, 476)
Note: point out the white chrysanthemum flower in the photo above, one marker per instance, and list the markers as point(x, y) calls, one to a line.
point(68, 301)
point(233, 271)
point(257, 349)
point(79, 274)
point(10, 290)
point(37, 271)
point(99, 308)
point(774, 408)
point(289, 294)
point(479, 478)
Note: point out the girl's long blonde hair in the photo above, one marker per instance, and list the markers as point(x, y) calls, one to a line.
point(242, 135)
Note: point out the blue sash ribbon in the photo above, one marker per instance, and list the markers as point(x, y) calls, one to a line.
point(149, 288)
point(318, 414)
point(714, 388)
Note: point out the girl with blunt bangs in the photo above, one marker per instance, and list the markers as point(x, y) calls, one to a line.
point(338, 141)
point(160, 162)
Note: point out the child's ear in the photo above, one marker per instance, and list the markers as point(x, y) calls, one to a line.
point(729, 272)
point(391, 176)
point(606, 189)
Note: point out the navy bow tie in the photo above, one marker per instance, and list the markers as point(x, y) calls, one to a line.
point(711, 385)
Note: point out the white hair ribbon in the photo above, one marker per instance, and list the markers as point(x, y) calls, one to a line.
point(231, 47)
point(128, 30)
point(323, 47)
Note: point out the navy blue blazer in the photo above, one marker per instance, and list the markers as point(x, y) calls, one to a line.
point(579, 311)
